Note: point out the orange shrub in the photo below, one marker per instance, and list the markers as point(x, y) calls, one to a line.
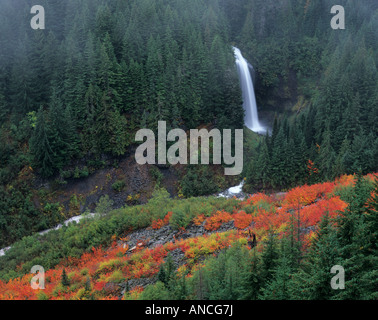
point(199, 219)
point(242, 220)
point(157, 224)
point(306, 195)
point(311, 215)
point(372, 176)
point(215, 221)
point(256, 198)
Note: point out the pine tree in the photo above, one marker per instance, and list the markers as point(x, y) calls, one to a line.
point(278, 287)
point(40, 145)
point(370, 277)
point(278, 164)
point(236, 286)
point(64, 279)
point(343, 159)
point(269, 257)
point(162, 275)
point(200, 286)
point(326, 157)
point(182, 288)
point(352, 215)
point(254, 279)
point(60, 137)
point(3, 109)
point(21, 81)
point(40, 75)
point(258, 173)
point(167, 274)
point(313, 280)
point(358, 243)
point(211, 281)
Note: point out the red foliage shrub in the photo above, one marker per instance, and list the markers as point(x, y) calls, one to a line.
point(311, 215)
point(199, 219)
point(242, 220)
point(157, 224)
point(306, 195)
point(215, 221)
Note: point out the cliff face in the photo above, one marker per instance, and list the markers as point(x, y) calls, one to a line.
point(277, 99)
point(280, 96)
point(123, 180)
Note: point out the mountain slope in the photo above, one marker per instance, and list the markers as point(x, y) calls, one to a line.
point(189, 233)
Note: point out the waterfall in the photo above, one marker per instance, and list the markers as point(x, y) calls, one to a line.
point(251, 118)
point(236, 191)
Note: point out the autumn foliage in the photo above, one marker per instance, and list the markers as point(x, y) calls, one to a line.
point(157, 224)
point(96, 274)
point(215, 221)
point(242, 220)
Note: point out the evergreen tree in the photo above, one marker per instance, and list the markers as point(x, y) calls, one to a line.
point(357, 244)
point(269, 257)
point(313, 280)
point(64, 279)
point(350, 218)
point(278, 287)
point(40, 145)
point(254, 281)
point(278, 164)
point(326, 156)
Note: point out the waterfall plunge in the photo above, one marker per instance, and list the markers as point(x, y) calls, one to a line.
point(251, 119)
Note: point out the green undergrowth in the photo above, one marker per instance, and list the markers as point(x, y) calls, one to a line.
point(73, 240)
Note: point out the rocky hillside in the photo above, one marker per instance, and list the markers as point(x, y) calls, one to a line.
point(184, 238)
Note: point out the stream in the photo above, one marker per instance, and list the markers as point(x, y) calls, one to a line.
point(229, 193)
